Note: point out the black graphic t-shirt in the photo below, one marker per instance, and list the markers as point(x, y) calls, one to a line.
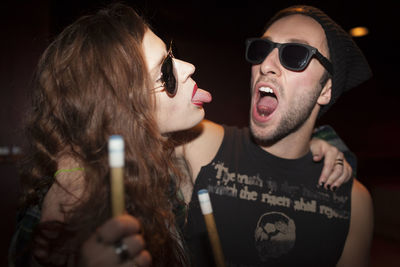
point(268, 210)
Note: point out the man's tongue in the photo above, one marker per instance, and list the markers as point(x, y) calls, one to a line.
point(201, 96)
point(266, 105)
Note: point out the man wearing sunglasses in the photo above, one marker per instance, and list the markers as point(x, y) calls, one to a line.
point(261, 181)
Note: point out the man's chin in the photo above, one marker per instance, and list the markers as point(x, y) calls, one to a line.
point(262, 136)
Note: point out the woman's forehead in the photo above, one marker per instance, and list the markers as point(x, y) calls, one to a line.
point(154, 49)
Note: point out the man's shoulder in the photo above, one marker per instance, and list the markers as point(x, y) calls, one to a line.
point(360, 191)
point(361, 203)
point(207, 133)
point(201, 144)
point(357, 248)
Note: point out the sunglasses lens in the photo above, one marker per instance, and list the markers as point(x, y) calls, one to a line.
point(257, 51)
point(295, 57)
point(168, 76)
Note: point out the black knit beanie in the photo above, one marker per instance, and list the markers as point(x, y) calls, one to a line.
point(350, 68)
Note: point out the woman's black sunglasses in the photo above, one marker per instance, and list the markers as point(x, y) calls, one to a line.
point(167, 74)
point(293, 56)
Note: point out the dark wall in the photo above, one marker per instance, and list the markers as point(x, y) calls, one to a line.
point(24, 33)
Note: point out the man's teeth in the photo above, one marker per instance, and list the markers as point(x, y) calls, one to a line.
point(266, 90)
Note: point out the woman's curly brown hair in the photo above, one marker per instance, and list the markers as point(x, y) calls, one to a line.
point(92, 82)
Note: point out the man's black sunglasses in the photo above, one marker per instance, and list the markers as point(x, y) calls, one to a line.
point(293, 56)
point(167, 74)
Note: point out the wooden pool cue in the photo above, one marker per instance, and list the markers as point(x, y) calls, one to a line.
point(116, 160)
point(206, 209)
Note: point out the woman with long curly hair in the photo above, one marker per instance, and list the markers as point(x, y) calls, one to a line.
point(105, 74)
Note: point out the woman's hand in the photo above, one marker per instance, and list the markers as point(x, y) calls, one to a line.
point(118, 242)
point(336, 170)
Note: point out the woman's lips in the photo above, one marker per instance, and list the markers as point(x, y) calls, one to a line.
point(194, 90)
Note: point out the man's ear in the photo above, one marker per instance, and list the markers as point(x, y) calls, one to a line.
point(326, 92)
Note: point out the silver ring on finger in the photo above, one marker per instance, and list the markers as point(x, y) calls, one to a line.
point(339, 161)
point(121, 249)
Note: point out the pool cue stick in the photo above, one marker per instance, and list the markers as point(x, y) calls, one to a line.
point(206, 209)
point(117, 161)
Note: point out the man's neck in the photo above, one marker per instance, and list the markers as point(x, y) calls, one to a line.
point(294, 145)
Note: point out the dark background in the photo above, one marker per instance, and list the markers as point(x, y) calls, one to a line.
point(211, 34)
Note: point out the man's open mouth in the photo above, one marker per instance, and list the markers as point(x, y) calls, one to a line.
point(267, 101)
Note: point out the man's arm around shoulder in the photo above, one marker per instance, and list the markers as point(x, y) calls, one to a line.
point(356, 251)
